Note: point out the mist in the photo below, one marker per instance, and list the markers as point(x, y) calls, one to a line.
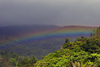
point(50, 12)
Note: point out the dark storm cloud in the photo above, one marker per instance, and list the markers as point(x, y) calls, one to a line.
point(58, 12)
point(27, 13)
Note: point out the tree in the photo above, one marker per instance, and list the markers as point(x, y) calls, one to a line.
point(67, 40)
point(13, 62)
point(25, 62)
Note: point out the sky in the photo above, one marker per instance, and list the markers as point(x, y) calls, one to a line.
point(50, 12)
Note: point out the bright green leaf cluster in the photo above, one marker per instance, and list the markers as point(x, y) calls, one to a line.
point(84, 52)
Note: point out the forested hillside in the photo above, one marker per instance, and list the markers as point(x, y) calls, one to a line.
point(84, 52)
point(39, 40)
point(10, 59)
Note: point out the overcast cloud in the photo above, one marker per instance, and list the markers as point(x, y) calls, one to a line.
point(53, 12)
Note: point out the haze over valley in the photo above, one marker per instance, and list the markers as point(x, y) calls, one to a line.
point(39, 40)
point(49, 33)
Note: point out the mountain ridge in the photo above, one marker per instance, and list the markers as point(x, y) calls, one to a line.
point(39, 41)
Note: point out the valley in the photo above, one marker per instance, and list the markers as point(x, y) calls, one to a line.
point(39, 40)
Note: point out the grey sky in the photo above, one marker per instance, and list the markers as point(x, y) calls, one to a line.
point(57, 12)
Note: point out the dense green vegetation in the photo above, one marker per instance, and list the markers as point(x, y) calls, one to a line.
point(10, 40)
point(36, 48)
point(10, 37)
point(10, 59)
point(84, 52)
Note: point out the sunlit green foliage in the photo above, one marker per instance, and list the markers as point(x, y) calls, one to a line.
point(84, 52)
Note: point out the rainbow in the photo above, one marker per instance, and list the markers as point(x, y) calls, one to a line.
point(44, 35)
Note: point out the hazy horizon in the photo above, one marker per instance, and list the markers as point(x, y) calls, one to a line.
point(50, 12)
